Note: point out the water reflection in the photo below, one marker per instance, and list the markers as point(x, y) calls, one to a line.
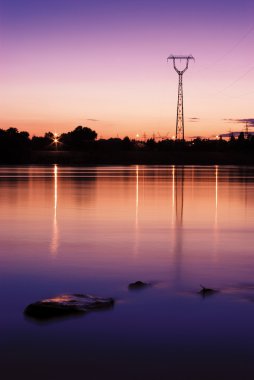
point(55, 235)
point(215, 239)
point(173, 192)
point(136, 246)
point(137, 193)
point(216, 193)
point(165, 216)
point(178, 174)
point(179, 218)
point(179, 196)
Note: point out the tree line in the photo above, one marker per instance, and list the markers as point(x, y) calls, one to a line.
point(18, 146)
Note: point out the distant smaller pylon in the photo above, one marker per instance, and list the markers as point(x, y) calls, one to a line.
point(246, 131)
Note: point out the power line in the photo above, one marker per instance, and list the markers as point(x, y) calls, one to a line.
point(229, 51)
point(236, 80)
point(238, 42)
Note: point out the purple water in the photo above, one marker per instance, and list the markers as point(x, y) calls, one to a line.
point(95, 230)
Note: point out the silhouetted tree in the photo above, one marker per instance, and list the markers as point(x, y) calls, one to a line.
point(49, 136)
point(43, 143)
point(127, 144)
point(241, 142)
point(232, 138)
point(241, 137)
point(79, 138)
point(151, 144)
point(14, 146)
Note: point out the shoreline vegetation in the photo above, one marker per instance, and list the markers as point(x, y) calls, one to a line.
point(81, 147)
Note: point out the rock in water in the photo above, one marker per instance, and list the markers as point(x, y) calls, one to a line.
point(207, 291)
point(67, 304)
point(138, 285)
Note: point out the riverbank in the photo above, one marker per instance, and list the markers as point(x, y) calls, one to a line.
point(141, 158)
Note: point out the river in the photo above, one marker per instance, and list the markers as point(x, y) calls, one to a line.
point(94, 230)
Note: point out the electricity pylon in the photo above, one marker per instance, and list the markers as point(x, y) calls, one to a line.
point(246, 131)
point(180, 115)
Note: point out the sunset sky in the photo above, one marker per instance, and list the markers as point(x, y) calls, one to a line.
point(102, 64)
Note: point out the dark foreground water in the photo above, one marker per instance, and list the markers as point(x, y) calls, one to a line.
point(95, 230)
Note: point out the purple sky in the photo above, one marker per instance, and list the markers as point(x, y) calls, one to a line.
point(65, 62)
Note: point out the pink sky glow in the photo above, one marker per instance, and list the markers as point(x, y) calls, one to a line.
point(105, 67)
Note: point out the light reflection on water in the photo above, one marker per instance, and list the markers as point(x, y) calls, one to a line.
point(164, 212)
point(197, 215)
point(54, 243)
point(96, 229)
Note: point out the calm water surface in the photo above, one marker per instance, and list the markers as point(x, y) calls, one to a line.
point(95, 230)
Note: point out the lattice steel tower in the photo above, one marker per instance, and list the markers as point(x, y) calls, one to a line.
point(180, 115)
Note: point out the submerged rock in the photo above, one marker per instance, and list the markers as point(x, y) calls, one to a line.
point(67, 304)
point(138, 285)
point(207, 291)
